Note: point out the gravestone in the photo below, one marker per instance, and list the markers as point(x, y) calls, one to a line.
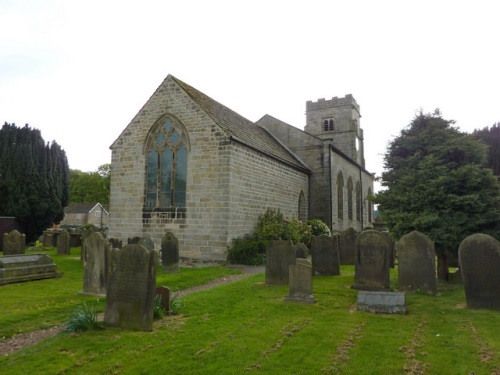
point(95, 271)
point(26, 267)
point(346, 246)
point(371, 271)
point(133, 240)
point(392, 249)
point(300, 276)
point(302, 251)
point(49, 238)
point(84, 234)
point(325, 255)
point(479, 257)
point(382, 302)
point(280, 255)
point(416, 263)
point(116, 243)
point(164, 294)
point(14, 243)
point(147, 242)
point(170, 253)
point(63, 243)
point(131, 288)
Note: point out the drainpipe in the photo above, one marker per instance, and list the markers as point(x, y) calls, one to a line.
point(330, 209)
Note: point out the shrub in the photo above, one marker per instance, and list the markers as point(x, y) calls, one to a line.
point(247, 250)
point(83, 318)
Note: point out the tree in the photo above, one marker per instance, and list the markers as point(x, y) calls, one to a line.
point(491, 136)
point(437, 183)
point(33, 179)
point(90, 186)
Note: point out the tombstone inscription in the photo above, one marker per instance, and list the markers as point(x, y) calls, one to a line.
point(280, 255)
point(300, 276)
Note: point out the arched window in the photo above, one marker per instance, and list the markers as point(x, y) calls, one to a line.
point(325, 126)
point(370, 206)
point(349, 198)
point(340, 196)
point(166, 151)
point(358, 201)
point(328, 125)
point(331, 125)
point(302, 214)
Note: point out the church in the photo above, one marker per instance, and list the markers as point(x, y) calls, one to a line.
point(187, 164)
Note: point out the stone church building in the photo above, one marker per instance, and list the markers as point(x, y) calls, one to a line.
point(189, 165)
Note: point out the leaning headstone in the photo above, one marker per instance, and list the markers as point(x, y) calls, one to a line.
point(346, 247)
point(416, 263)
point(300, 276)
point(131, 288)
point(479, 257)
point(95, 264)
point(63, 243)
point(302, 251)
point(170, 253)
point(26, 267)
point(164, 294)
point(325, 255)
point(147, 242)
point(280, 255)
point(371, 271)
point(14, 243)
point(382, 302)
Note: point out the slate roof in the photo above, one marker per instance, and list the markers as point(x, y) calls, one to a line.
point(241, 129)
point(80, 208)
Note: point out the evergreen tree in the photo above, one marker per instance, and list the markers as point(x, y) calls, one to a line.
point(437, 183)
point(491, 136)
point(33, 179)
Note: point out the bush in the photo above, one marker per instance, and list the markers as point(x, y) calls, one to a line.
point(247, 250)
point(83, 318)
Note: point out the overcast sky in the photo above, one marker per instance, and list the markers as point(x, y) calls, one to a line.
point(80, 70)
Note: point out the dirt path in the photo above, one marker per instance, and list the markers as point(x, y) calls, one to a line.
point(24, 340)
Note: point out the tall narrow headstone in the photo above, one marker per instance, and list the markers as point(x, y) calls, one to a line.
point(170, 253)
point(280, 255)
point(346, 247)
point(300, 276)
point(63, 243)
point(14, 243)
point(131, 288)
point(95, 264)
point(325, 255)
point(416, 263)
point(479, 257)
point(371, 270)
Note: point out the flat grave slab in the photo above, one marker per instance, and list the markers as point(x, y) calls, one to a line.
point(382, 302)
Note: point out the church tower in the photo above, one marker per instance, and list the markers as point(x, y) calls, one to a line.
point(337, 120)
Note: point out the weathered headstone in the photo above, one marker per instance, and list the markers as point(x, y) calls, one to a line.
point(479, 257)
point(14, 243)
point(116, 243)
point(280, 255)
point(416, 263)
point(346, 247)
point(302, 251)
point(133, 240)
point(49, 238)
point(147, 242)
point(371, 270)
point(26, 267)
point(131, 288)
point(95, 273)
point(63, 243)
point(300, 276)
point(392, 249)
point(164, 294)
point(325, 255)
point(170, 253)
point(382, 302)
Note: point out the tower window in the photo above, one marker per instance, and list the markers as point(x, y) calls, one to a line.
point(328, 125)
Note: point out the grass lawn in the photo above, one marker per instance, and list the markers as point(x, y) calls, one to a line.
point(247, 327)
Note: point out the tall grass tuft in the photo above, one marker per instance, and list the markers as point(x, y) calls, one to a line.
point(83, 318)
point(158, 311)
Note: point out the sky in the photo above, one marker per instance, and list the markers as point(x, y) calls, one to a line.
point(79, 71)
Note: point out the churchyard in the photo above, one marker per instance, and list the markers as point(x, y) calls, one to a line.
point(258, 323)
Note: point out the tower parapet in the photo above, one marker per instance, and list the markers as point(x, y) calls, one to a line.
point(334, 102)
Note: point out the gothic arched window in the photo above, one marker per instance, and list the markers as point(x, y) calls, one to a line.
point(349, 198)
point(166, 165)
point(340, 196)
point(370, 205)
point(358, 201)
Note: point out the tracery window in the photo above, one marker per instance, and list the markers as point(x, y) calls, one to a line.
point(166, 165)
point(340, 196)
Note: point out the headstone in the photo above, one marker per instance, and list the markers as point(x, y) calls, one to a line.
point(170, 253)
point(63, 243)
point(133, 240)
point(26, 267)
point(96, 252)
point(479, 257)
point(392, 249)
point(371, 270)
point(146, 242)
point(131, 288)
point(300, 276)
point(346, 251)
point(84, 234)
point(14, 243)
point(302, 251)
point(165, 295)
point(416, 263)
point(280, 255)
point(325, 255)
point(382, 302)
point(116, 243)
point(49, 238)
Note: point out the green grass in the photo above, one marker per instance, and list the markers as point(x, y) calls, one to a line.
point(247, 327)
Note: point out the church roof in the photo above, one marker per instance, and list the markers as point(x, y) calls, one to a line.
point(241, 129)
